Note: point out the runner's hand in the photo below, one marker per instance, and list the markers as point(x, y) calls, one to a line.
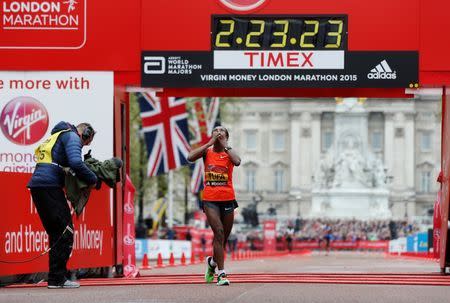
point(223, 141)
point(214, 137)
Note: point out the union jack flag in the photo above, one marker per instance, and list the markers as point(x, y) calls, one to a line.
point(205, 116)
point(165, 127)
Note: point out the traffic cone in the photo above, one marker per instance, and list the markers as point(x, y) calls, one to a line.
point(201, 257)
point(159, 262)
point(192, 257)
point(233, 256)
point(171, 260)
point(145, 264)
point(183, 259)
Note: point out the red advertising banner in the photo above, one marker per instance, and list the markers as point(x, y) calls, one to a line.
point(200, 246)
point(306, 245)
point(270, 241)
point(23, 239)
point(363, 245)
point(343, 245)
point(374, 245)
point(313, 244)
point(129, 238)
point(50, 24)
point(437, 225)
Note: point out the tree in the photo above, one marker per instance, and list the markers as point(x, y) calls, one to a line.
point(138, 164)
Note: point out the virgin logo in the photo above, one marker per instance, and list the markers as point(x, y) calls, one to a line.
point(128, 240)
point(24, 120)
point(242, 5)
point(129, 209)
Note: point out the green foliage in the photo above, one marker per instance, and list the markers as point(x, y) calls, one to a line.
point(138, 152)
point(229, 107)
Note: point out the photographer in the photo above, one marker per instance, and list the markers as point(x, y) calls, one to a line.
point(61, 149)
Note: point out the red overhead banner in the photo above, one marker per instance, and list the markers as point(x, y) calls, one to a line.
point(50, 24)
point(78, 35)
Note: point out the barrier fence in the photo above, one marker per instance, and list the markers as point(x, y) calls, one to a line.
point(194, 251)
point(153, 248)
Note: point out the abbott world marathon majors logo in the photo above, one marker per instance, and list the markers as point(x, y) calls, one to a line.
point(243, 5)
point(382, 71)
point(24, 120)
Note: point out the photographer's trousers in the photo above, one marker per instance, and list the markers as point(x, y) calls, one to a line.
point(52, 207)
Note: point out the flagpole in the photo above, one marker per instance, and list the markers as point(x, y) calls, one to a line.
point(186, 213)
point(170, 200)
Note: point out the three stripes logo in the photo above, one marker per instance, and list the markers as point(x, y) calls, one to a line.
point(382, 71)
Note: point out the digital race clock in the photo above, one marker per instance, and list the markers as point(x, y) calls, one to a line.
point(280, 32)
point(280, 51)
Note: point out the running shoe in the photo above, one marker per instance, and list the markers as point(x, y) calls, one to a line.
point(209, 273)
point(222, 280)
point(66, 284)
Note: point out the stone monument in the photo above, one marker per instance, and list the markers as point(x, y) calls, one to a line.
point(350, 181)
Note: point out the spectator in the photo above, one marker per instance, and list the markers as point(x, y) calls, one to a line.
point(203, 243)
point(188, 235)
point(289, 238)
point(232, 242)
point(170, 234)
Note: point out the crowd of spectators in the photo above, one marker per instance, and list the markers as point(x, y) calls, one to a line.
point(354, 230)
point(315, 229)
point(341, 230)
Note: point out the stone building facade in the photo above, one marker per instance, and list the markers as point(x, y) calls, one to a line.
point(282, 141)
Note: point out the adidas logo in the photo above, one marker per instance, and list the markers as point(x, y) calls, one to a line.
point(382, 71)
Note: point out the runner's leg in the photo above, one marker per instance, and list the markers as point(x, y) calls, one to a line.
point(227, 222)
point(213, 216)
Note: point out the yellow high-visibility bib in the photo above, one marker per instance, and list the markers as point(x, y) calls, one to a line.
point(43, 152)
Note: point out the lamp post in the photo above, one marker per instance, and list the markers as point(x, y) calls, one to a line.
point(186, 211)
point(141, 228)
point(406, 200)
point(257, 197)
